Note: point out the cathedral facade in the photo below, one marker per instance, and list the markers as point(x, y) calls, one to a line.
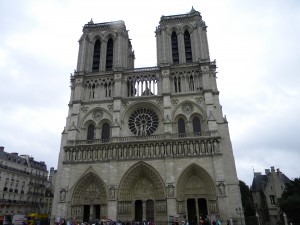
point(146, 144)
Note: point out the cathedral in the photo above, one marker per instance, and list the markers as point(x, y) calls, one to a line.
point(146, 144)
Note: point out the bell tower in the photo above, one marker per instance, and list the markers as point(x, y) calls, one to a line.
point(146, 144)
point(182, 39)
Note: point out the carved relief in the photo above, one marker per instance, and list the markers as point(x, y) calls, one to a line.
point(170, 189)
point(97, 115)
point(112, 192)
point(63, 193)
point(187, 108)
point(84, 109)
point(175, 101)
point(221, 188)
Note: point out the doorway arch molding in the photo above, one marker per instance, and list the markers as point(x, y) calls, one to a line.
point(194, 181)
point(89, 190)
point(141, 181)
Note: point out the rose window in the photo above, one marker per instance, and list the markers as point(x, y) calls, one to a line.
point(143, 121)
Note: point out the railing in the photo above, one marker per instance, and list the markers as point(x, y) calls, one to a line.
point(146, 138)
point(141, 149)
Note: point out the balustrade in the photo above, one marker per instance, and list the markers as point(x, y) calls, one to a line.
point(142, 150)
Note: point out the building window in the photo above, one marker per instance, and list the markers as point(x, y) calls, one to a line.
point(92, 91)
point(196, 126)
point(175, 54)
point(272, 200)
point(143, 122)
point(188, 47)
point(105, 132)
point(177, 84)
point(181, 127)
point(91, 132)
point(96, 56)
point(107, 87)
point(109, 54)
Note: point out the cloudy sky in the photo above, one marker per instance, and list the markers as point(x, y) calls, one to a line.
point(256, 45)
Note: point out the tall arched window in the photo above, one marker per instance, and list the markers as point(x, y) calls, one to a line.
point(196, 126)
point(177, 84)
point(105, 132)
point(188, 47)
point(175, 54)
point(90, 132)
point(96, 56)
point(181, 127)
point(109, 54)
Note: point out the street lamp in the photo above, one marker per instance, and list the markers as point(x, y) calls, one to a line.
point(240, 211)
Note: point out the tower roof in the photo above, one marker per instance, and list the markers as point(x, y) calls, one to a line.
point(181, 17)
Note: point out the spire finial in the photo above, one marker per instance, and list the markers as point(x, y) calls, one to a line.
point(91, 22)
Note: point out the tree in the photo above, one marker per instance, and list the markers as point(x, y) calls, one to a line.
point(247, 201)
point(289, 202)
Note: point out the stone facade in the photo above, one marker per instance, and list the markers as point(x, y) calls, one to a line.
point(23, 185)
point(146, 143)
point(266, 189)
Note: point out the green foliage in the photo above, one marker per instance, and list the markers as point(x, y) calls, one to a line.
point(247, 201)
point(290, 201)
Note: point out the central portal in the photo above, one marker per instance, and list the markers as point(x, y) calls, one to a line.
point(138, 211)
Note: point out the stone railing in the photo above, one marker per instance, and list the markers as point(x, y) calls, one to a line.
point(158, 137)
point(150, 149)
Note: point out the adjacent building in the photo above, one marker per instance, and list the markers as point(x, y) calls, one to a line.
point(266, 189)
point(146, 143)
point(23, 185)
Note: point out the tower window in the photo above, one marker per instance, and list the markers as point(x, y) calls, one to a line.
point(196, 126)
point(91, 132)
point(109, 54)
point(96, 56)
point(177, 84)
point(92, 91)
point(105, 132)
point(188, 47)
point(174, 42)
point(272, 200)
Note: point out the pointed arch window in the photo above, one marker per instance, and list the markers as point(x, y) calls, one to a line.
point(196, 126)
point(174, 42)
point(177, 84)
point(188, 47)
point(92, 91)
point(96, 56)
point(181, 127)
point(105, 132)
point(109, 54)
point(91, 132)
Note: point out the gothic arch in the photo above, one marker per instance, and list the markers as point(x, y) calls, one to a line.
point(187, 27)
point(109, 35)
point(178, 110)
point(143, 182)
point(95, 37)
point(89, 188)
point(89, 116)
point(135, 106)
point(174, 28)
point(195, 181)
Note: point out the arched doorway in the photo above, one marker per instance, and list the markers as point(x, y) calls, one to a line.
point(142, 195)
point(196, 194)
point(89, 199)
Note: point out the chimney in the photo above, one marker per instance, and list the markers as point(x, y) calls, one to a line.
point(257, 174)
point(267, 171)
point(272, 169)
point(1, 149)
point(278, 171)
point(14, 154)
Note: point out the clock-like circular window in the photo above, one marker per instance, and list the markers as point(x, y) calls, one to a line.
point(143, 121)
